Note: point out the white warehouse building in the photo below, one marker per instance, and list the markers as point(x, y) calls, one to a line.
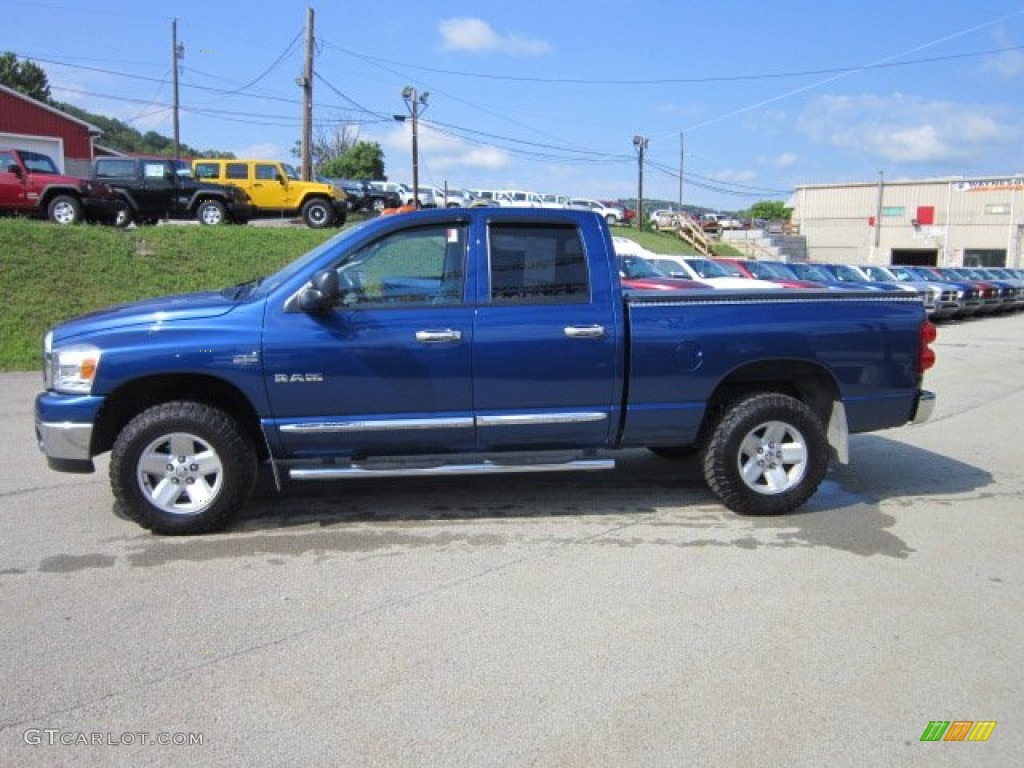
point(945, 222)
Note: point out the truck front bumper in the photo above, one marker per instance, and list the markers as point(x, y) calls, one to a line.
point(64, 428)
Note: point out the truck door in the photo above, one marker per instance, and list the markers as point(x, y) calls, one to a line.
point(386, 371)
point(545, 347)
point(158, 192)
point(268, 187)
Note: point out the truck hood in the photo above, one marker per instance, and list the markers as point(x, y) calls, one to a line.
point(149, 312)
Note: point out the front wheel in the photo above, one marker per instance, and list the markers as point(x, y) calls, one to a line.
point(182, 468)
point(64, 209)
point(123, 217)
point(766, 455)
point(317, 214)
point(211, 213)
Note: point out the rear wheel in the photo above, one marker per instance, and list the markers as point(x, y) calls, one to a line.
point(64, 209)
point(182, 468)
point(211, 213)
point(766, 455)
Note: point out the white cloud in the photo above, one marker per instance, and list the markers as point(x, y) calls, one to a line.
point(785, 160)
point(1008, 64)
point(439, 153)
point(905, 129)
point(735, 177)
point(468, 34)
point(264, 151)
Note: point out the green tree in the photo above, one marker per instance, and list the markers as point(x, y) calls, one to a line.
point(26, 77)
point(364, 160)
point(770, 210)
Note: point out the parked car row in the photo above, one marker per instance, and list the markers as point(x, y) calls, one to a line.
point(946, 292)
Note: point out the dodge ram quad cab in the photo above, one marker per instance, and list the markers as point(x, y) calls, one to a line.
point(154, 188)
point(31, 184)
point(474, 340)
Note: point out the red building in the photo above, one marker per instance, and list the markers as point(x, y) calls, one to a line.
point(29, 124)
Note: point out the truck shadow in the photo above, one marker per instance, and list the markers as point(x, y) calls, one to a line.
point(882, 469)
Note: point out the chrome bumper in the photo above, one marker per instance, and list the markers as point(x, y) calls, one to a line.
point(923, 407)
point(66, 445)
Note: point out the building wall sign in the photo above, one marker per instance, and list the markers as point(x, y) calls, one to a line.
point(989, 185)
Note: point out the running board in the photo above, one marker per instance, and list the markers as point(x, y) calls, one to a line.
point(480, 468)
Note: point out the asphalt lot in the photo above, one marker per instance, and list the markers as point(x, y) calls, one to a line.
point(612, 619)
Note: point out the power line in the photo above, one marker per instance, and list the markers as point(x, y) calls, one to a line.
point(686, 80)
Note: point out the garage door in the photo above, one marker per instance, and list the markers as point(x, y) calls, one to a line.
point(54, 148)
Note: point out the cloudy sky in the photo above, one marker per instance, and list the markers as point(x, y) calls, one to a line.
point(746, 99)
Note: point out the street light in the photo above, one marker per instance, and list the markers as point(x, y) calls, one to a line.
point(640, 142)
point(415, 103)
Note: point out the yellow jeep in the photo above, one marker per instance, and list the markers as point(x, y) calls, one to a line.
point(275, 189)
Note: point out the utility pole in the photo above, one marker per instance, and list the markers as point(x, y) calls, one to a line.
point(682, 155)
point(306, 82)
point(878, 218)
point(640, 143)
point(415, 103)
point(177, 52)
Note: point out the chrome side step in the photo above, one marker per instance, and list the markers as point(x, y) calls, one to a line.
point(408, 469)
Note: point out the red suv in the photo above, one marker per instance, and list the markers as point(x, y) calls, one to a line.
point(30, 184)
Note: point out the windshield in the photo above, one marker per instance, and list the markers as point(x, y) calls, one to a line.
point(38, 163)
point(881, 274)
point(635, 267)
point(707, 268)
point(301, 264)
point(290, 172)
point(770, 271)
point(846, 274)
point(903, 273)
point(813, 272)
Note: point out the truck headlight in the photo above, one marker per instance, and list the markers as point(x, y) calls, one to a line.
point(72, 370)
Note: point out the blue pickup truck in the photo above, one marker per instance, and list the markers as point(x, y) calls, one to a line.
point(471, 341)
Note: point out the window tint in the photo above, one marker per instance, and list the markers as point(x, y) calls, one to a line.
point(532, 264)
point(266, 172)
point(236, 171)
point(207, 170)
point(420, 266)
point(115, 169)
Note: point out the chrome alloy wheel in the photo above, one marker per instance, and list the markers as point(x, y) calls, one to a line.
point(180, 473)
point(772, 458)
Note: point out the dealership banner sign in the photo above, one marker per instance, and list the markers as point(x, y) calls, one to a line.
point(990, 185)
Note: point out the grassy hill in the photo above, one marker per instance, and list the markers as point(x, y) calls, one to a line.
point(50, 273)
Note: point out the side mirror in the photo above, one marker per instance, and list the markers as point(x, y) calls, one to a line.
point(322, 293)
point(15, 169)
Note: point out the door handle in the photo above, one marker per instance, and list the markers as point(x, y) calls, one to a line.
point(584, 331)
point(447, 336)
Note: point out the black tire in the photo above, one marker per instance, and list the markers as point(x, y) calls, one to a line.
point(64, 209)
point(317, 213)
point(211, 213)
point(170, 457)
point(123, 217)
point(766, 455)
point(379, 205)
